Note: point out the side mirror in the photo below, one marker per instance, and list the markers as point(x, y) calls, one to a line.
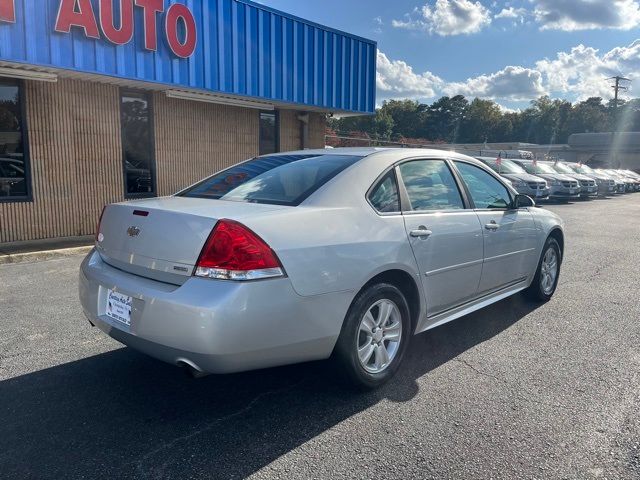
point(523, 201)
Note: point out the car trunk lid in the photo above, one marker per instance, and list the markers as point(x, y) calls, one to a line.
point(162, 238)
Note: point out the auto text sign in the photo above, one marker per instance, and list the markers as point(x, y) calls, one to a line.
point(113, 20)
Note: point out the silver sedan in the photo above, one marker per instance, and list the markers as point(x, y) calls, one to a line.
point(301, 256)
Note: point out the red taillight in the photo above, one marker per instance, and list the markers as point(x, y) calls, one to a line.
point(233, 252)
point(98, 239)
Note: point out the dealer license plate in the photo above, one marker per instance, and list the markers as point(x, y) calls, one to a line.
point(119, 307)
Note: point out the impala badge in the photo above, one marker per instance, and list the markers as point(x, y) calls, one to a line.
point(133, 231)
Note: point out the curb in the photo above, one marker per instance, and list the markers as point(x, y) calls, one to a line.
point(43, 255)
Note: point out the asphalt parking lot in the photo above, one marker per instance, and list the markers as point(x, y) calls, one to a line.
point(514, 391)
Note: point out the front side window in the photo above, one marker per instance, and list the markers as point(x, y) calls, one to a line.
point(137, 144)
point(276, 180)
point(485, 190)
point(430, 186)
point(384, 196)
point(14, 165)
point(269, 133)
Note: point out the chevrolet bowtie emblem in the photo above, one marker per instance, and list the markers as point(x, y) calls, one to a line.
point(133, 231)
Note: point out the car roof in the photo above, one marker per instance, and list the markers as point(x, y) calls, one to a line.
point(369, 151)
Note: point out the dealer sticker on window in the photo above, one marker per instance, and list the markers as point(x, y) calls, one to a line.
point(119, 307)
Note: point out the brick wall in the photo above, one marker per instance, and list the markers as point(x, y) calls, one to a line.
point(76, 152)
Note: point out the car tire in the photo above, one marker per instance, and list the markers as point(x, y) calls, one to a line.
point(544, 283)
point(360, 351)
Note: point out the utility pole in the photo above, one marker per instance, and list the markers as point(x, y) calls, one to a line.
point(618, 88)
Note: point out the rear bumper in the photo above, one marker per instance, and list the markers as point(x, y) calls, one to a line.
point(215, 326)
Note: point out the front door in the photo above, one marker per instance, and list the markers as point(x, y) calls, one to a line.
point(509, 234)
point(445, 236)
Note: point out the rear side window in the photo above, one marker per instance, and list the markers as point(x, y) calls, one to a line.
point(431, 186)
point(277, 180)
point(485, 190)
point(384, 196)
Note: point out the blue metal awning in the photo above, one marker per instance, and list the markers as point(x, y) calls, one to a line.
point(242, 49)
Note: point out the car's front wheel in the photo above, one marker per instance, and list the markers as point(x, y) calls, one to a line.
point(547, 275)
point(374, 337)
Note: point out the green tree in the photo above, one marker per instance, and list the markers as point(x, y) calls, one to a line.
point(481, 121)
point(589, 116)
point(378, 126)
point(444, 118)
point(408, 117)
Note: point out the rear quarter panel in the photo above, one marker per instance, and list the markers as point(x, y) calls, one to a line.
point(325, 250)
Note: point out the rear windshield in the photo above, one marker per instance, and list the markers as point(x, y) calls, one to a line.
point(277, 180)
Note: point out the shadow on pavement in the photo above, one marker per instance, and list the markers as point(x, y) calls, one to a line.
point(123, 415)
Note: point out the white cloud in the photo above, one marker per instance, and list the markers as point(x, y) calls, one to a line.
point(447, 17)
point(574, 75)
point(512, 13)
point(583, 71)
point(396, 79)
point(510, 83)
point(587, 14)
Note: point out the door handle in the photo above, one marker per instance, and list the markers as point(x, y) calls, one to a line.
point(421, 232)
point(492, 225)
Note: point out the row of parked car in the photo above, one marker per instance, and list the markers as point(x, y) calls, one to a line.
point(562, 181)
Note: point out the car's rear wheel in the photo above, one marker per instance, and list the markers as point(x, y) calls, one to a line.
point(546, 279)
point(374, 337)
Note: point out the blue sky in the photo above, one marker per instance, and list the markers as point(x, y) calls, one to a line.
point(509, 51)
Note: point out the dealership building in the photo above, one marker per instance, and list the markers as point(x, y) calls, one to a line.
point(111, 100)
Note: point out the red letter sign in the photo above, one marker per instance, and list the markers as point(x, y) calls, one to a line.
point(151, 8)
point(68, 17)
point(7, 11)
point(175, 13)
point(125, 33)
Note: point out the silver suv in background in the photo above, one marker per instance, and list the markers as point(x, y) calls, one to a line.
point(523, 182)
point(562, 187)
point(606, 184)
point(588, 185)
point(635, 176)
point(629, 183)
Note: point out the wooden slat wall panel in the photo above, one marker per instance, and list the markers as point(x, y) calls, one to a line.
point(75, 154)
point(196, 139)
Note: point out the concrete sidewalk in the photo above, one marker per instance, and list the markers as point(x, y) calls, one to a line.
point(48, 249)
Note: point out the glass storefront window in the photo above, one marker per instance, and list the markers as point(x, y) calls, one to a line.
point(14, 165)
point(137, 144)
point(269, 133)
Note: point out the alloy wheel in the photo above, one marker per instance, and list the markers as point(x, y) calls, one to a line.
point(549, 271)
point(379, 336)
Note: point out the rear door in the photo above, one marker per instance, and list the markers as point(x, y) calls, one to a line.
point(510, 237)
point(445, 235)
